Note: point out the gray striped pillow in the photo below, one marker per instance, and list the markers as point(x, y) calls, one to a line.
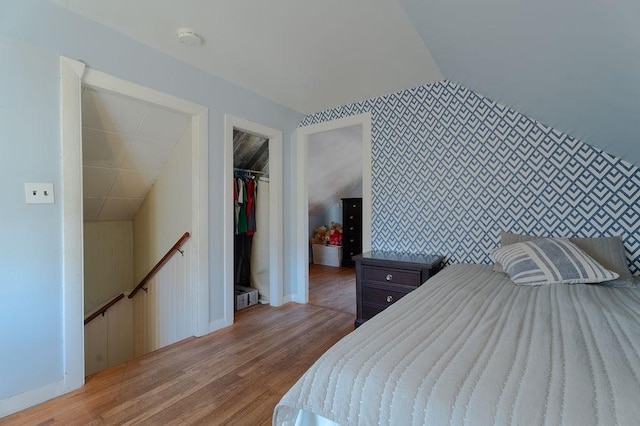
point(550, 261)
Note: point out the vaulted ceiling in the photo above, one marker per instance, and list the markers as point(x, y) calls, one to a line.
point(573, 65)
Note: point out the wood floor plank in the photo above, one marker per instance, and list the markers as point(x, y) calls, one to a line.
point(233, 376)
point(333, 287)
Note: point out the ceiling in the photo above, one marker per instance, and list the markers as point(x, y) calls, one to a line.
point(307, 55)
point(250, 152)
point(125, 143)
point(573, 65)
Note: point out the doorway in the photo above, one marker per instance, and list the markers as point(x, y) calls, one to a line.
point(275, 246)
point(334, 178)
point(74, 75)
point(300, 286)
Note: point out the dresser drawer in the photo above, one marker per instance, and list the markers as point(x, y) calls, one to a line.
point(352, 241)
point(351, 216)
point(354, 229)
point(381, 296)
point(352, 205)
point(392, 276)
point(349, 252)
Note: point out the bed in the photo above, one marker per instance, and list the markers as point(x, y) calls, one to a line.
point(470, 347)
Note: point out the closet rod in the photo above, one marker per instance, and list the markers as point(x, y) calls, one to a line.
point(257, 172)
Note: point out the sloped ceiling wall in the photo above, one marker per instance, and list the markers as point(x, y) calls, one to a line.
point(335, 166)
point(572, 64)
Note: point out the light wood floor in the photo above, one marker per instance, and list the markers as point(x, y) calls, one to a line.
point(333, 288)
point(233, 376)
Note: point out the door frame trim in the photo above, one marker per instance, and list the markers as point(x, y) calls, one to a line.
point(300, 284)
point(73, 75)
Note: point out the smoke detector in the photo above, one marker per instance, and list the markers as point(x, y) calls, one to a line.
point(189, 37)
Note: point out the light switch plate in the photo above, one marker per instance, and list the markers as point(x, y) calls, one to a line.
point(39, 193)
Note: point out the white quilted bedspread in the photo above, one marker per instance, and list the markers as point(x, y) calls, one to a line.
point(470, 347)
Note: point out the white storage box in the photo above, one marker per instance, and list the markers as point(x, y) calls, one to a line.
point(242, 300)
point(252, 294)
point(327, 255)
point(245, 298)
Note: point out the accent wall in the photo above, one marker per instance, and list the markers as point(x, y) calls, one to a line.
point(451, 168)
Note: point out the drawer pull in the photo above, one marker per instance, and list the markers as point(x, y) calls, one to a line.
point(389, 299)
point(350, 217)
point(389, 277)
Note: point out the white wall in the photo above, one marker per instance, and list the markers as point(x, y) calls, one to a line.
point(31, 264)
point(108, 261)
point(108, 271)
point(108, 339)
point(162, 315)
point(33, 33)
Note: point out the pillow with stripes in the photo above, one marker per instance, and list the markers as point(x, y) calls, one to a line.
point(550, 261)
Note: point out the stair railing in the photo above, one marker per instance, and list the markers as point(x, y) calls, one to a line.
point(116, 299)
point(165, 258)
point(103, 309)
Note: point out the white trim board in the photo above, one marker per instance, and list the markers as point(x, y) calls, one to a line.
point(72, 79)
point(276, 248)
point(300, 284)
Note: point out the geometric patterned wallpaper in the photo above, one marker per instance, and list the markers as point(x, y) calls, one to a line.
point(451, 169)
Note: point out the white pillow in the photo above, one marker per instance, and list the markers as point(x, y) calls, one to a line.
point(550, 261)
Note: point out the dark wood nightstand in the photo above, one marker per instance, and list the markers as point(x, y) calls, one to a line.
point(384, 277)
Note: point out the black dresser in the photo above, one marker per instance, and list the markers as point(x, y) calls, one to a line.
point(382, 278)
point(351, 229)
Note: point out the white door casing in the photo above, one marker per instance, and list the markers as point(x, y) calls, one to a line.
point(73, 75)
point(300, 285)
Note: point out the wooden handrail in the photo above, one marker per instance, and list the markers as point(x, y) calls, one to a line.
point(102, 310)
point(162, 261)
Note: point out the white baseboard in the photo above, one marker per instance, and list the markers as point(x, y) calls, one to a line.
point(218, 324)
point(297, 298)
point(30, 398)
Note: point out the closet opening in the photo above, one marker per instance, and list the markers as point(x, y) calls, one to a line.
point(253, 153)
point(251, 220)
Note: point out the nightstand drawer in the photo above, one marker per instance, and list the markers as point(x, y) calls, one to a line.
point(381, 296)
point(382, 278)
point(369, 311)
point(392, 276)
